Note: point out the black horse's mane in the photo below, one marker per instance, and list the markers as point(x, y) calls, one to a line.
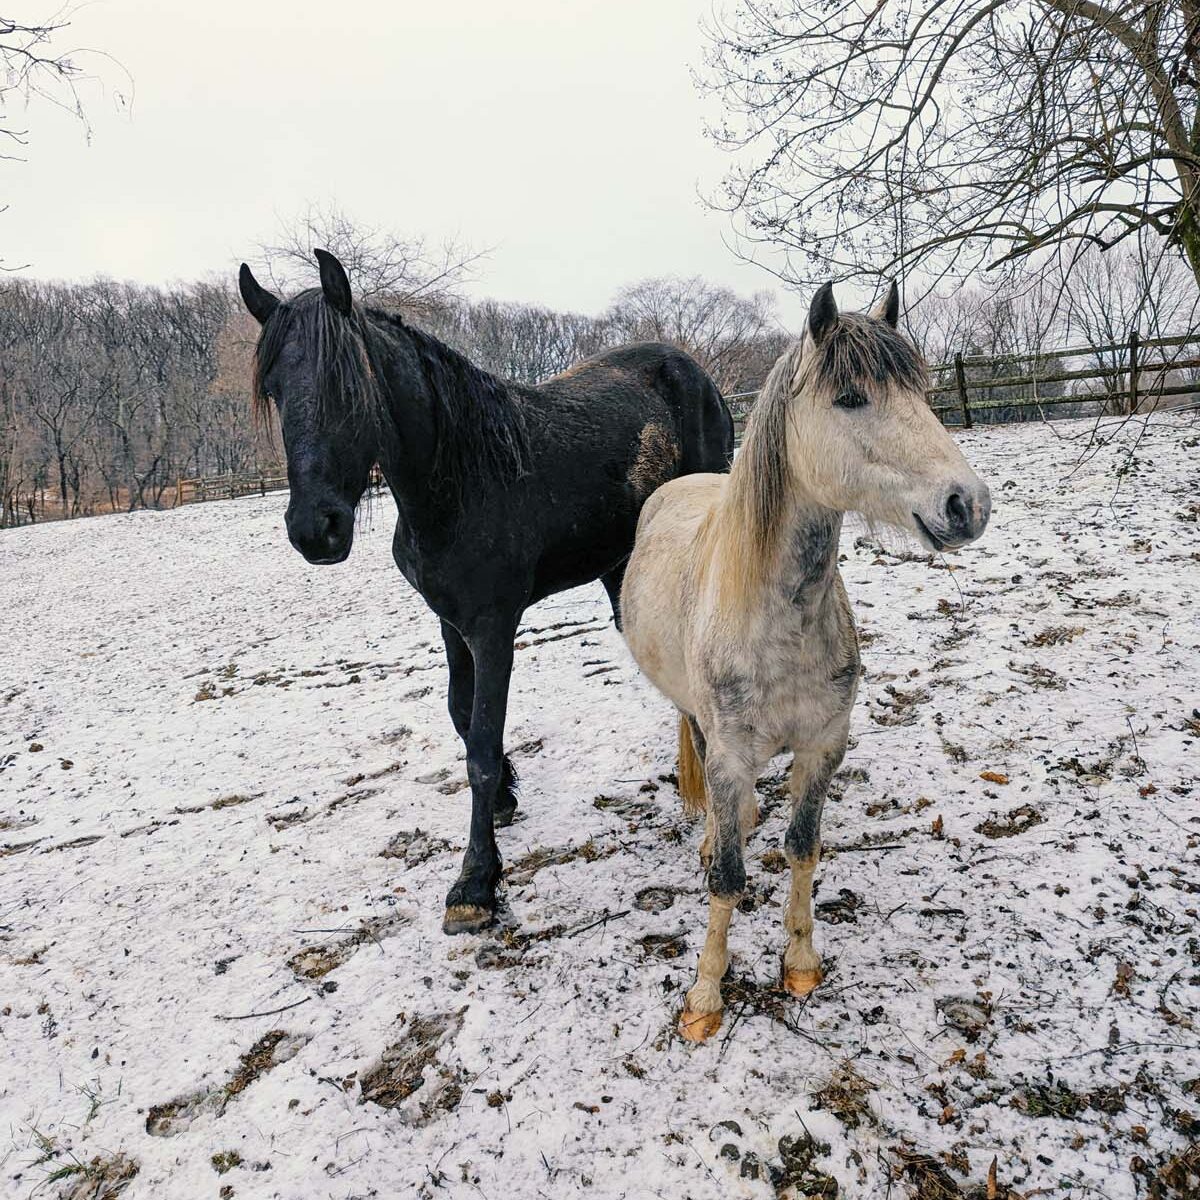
point(480, 426)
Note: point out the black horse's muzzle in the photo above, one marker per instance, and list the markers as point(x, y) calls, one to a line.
point(322, 532)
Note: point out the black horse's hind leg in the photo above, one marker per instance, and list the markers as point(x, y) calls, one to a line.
point(612, 585)
point(461, 698)
point(471, 903)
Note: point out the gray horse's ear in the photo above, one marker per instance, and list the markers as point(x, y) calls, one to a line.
point(260, 303)
point(888, 309)
point(822, 313)
point(334, 282)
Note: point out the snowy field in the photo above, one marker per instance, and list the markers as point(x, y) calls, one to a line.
point(231, 803)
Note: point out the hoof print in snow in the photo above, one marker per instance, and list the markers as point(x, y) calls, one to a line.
point(414, 847)
point(315, 962)
point(494, 956)
point(663, 945)
point(968, 1014)
point(655, 899)
point(174, 1117)
point(841, 909)
point(412, 1065)
point(100, 1179)
point(625, 806)
point(1019, 820)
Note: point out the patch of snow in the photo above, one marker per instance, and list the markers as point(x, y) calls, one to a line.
point(207, 747)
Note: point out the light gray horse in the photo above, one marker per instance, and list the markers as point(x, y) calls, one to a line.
point(734, 607)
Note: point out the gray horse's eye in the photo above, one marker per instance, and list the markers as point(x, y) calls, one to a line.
point(850, 398)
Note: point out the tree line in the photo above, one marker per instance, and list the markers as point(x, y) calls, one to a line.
point(111, 392)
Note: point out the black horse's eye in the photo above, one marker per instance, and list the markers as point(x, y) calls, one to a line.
point(850, 398)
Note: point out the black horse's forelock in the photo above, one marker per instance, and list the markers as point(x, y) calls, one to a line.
point(480, 428)
point(347, 387)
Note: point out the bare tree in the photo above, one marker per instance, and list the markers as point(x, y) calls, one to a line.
point(730, 335)
point(525, 342)
point(949, 134)
point(386, 268)
point(1131, 288)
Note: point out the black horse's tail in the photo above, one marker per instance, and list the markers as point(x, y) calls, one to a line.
point(706, 424)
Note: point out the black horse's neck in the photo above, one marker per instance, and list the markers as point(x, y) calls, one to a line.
point(446, 426)
point(406, 423)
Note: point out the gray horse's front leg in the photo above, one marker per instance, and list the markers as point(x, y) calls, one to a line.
point(729, 779)
point(811, 772)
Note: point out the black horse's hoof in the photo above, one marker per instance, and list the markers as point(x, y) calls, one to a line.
point(502, 818)
point(467, 918)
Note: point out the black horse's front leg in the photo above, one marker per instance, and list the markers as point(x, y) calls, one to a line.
point(461, 700)
point(471, 903)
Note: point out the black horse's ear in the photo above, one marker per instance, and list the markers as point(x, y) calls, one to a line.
point(256, 298)
point(822, 313)
point(334, 282)
point(888, 309)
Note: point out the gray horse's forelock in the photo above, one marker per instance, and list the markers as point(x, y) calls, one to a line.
point(860, 349)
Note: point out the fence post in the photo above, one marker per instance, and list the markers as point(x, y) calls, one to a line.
point(1133, 370)
point(179, 491)
point(961, 378)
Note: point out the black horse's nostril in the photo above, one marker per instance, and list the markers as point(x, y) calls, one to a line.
point(332, 526)
point(958, 514)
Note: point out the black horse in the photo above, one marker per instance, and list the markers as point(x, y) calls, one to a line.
point(505, 493)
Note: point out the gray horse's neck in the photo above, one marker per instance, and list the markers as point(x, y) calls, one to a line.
point(808, 553)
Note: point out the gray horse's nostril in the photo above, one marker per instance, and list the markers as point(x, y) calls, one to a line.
point(958, 514)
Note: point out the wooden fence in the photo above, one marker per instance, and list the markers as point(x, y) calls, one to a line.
point(230, 487)
point(1137, 379)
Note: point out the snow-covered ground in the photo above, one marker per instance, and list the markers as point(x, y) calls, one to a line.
point(231, 803)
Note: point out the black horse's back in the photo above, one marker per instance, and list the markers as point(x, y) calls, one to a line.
point(605, 435)
point(638, 374)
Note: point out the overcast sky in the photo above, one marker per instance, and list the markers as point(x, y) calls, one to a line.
point(565, 134)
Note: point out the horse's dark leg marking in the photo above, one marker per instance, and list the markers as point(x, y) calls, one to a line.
point(802, 843)
point(729, 780)
point(461, 699)
point(471, 903)
point(612, 585)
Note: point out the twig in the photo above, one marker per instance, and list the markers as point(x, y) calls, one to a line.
point(269, 1013)
point(600, 920)
point(1125, 1046)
